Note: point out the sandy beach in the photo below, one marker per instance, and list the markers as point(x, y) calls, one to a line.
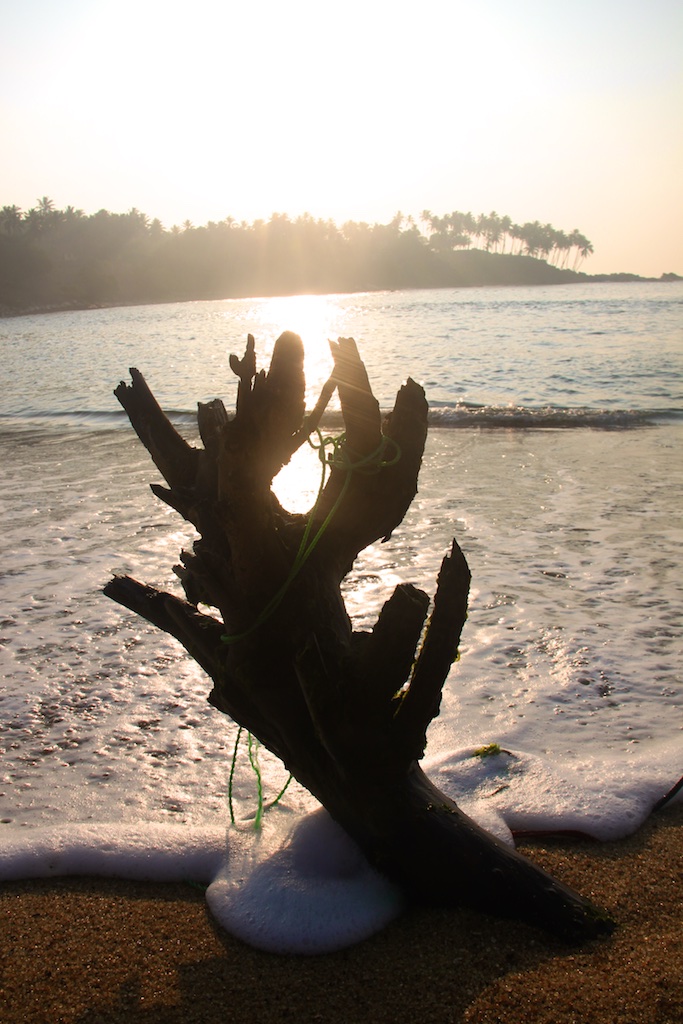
point(86, 950)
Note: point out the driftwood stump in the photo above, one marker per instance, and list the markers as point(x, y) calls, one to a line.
point(346, 711)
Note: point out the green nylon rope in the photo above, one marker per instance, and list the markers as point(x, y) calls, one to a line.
point(338, 459)
point(232, 774)
point(253, 745)
point(262, 807)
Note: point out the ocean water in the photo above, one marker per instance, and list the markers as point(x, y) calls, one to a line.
point(553, 457)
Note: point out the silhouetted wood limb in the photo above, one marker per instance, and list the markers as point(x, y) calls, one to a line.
point(663, 801)
point(346, 711)
point(439, 650)
point(175, 459)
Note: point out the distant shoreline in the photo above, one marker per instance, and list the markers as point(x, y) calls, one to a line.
point(56, 260)
point(540, 275)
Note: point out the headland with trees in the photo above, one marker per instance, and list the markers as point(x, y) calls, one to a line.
point(53, 259)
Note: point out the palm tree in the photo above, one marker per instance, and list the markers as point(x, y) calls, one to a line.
point(426, 219)
point(547, 244)
point(396, 222)
point(10, 220)
point(505, 225)
point(492, 231)
point(516, 233)
point(480, 226)
point(34, 221)
point(561, 247)
point(45, 206)
point(437, 227)
point(584, 248)
point(460, 227)
point(137, 218)
point(528, 236)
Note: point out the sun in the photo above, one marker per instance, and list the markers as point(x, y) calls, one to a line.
point(316, 319)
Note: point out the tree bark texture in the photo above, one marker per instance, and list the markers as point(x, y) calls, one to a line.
point(346, 711)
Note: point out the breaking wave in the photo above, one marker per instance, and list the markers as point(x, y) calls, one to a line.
point(462, 415)
point(523, 418)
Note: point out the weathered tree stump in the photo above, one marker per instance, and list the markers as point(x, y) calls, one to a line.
point(346, 711)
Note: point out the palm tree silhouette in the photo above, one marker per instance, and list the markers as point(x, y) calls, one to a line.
point(11, 220)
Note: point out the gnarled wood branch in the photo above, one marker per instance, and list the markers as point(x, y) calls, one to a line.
point(346, 711)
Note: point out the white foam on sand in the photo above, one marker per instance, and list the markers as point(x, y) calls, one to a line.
point(144, 851)
point(314, 893)
point(300, 884)
point(514, 792)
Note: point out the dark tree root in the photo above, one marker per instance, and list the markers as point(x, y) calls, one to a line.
point(347, 712)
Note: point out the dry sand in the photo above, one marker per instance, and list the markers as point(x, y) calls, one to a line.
point(94, 951)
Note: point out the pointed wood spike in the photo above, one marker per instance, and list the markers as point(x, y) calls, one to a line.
point(175, 459)
point(360, 408)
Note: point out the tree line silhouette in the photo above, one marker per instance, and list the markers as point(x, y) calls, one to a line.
point(52, 259)
point(494, 234)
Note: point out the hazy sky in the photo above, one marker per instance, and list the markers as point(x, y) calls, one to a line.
point(564, 112)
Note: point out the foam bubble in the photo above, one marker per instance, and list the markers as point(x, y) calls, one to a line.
point(313, 893)
point(144, 851)
point(514, 791)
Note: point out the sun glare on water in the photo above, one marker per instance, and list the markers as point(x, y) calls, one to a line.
point(316, 319)
point(296, 485)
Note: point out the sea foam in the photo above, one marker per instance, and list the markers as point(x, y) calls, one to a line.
point(299, 884)
point(314, 893)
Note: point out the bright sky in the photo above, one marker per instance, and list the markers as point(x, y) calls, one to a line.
point(568, 113)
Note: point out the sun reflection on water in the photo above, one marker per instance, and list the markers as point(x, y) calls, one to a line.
point(315, 318)
point(296, 485)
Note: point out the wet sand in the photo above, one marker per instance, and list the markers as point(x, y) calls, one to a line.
point(98, 951)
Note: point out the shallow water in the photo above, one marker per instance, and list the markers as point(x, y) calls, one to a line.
point(603, 347)
point(571, 656)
